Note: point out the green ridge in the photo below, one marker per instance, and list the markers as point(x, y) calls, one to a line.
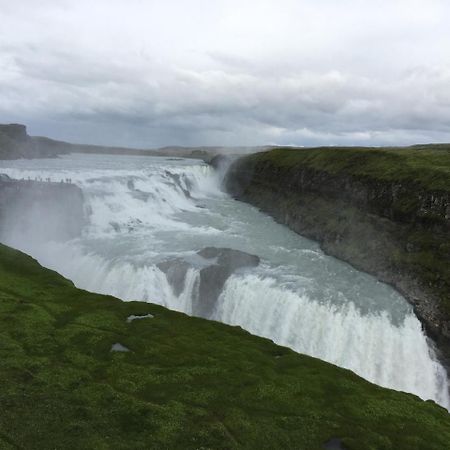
point(427, 165)
point(187, 383)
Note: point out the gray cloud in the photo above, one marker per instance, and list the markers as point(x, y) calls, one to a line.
point(222, 73)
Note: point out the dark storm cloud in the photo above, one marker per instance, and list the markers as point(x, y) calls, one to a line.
point(223, 73)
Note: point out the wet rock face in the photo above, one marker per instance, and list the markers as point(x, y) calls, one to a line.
point(217, 265)
point(39, 211)
point(225, 262)
point(175, 270)
point(228, 257)
point(395, 230)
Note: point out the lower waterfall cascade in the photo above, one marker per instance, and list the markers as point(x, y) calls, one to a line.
point(146, 212)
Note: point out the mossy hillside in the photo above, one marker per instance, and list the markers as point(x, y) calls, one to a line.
point(426, 165)
point(185, 383)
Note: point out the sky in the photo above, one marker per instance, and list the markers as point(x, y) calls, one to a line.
point(150, 73)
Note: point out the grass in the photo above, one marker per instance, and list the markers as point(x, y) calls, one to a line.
point(426, 165)
point(186, 383)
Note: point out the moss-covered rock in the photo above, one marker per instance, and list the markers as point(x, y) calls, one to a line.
point(185, 382)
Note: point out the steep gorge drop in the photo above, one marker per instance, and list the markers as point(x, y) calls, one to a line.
point(151, 223)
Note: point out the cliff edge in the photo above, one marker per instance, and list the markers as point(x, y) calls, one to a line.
point(386, 211)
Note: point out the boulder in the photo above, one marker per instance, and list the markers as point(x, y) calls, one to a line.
point(175, 270)
point(216, 266)
point(223, 263)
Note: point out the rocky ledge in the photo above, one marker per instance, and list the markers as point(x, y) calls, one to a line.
point(385, 211)
point(216, 266)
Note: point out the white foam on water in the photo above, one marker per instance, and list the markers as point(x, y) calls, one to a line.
point(151, 208)
point(393, 356)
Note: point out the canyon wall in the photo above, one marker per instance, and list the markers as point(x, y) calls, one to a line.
point(391, 219)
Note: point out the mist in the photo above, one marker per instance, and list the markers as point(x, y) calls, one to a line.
point(33, 213)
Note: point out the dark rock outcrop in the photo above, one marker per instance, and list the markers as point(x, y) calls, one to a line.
point(175, 270)
point(224, 262)
point(15, 143)
point(396, 230)
point(14, 131)
point(216, 266)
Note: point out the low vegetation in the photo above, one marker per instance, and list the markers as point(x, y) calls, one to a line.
point(427, 165)
point(184, 382)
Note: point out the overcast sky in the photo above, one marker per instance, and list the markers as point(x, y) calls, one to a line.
point(150, 73)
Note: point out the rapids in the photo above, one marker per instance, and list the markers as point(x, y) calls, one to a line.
point(144, 211)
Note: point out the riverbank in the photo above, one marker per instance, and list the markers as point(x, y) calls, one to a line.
point(385, 211)
point(79, 370)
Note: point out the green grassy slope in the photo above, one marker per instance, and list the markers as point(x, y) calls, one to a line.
point(186, 383)
point(428, 165)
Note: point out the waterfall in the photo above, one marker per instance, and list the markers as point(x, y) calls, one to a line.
point(144, 211)
point(394, 356)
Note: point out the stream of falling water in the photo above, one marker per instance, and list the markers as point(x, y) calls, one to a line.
point(144, 211)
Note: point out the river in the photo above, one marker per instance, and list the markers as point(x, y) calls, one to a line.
point(144, 211)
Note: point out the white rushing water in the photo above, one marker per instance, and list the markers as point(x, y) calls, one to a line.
point(144, 211)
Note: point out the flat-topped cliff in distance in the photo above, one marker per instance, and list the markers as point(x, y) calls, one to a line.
point(384, 210)
point(15, 143)
point(14, 131)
